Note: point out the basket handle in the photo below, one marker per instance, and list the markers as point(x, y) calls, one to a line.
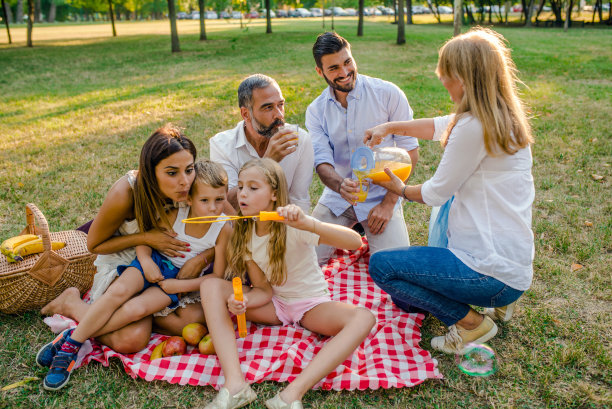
point(33, 215)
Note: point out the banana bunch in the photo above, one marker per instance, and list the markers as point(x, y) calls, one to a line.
point(16, 247)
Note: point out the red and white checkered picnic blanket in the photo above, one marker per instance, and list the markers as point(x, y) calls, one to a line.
point(389, 357)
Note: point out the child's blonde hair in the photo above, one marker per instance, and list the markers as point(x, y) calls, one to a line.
point(482, 62)
point(210, 173)
point(243, 228)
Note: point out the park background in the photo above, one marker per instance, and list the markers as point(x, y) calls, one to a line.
point(76, 108)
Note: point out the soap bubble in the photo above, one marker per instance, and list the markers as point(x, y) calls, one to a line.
point(477, 360)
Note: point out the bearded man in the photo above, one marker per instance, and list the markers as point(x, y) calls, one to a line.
point(262, 133)
point(336, 121)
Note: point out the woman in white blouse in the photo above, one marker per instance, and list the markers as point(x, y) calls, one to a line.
point(487, 167)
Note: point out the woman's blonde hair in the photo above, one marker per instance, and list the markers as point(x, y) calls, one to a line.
point(210, 173)
point(243, 228)
point(482, 62)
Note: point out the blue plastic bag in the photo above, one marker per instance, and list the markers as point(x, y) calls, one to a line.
point(438, 225)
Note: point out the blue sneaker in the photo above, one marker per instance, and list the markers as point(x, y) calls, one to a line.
point(59, 374)
point(45, 355)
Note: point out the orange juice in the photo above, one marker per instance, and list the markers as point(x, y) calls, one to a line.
point(400, 169)
point(363, 186)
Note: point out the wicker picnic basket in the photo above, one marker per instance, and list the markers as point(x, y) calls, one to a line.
point(39, 278)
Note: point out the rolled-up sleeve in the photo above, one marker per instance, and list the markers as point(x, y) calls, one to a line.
point(323, 152)
point(462, 156)
point(399, 110)
point(300, 185)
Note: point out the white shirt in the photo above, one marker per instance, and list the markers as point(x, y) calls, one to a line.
point(305, 278)
point(196, 245)
point(232, 150)
point(489, 223)
point(337, 132)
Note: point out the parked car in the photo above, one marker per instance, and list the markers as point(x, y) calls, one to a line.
point(236, 14)
point(372, 11)
point(517, 8)
point(181, 15)
point(445, 10)
point(316, 12)
point(421, 10)
point(251, 14)
point(282, 13)
point(302, 12)
point(386, 11)
point(339, 11)
point(194, 15)
point(225, 14)
point(211, 15)
point(327, 11)
point(350, 12)
point(262, 13)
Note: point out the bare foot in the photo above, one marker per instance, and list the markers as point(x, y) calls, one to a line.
point(60, 304)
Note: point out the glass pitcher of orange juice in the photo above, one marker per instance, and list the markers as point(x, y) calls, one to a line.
point(396, 159)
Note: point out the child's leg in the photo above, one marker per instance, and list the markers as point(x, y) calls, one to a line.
point(349, 325)
point(151, 300)
point(214, 293)
point(173, 323)
point(122, 289)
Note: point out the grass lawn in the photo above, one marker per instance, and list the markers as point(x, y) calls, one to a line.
point(75, 110)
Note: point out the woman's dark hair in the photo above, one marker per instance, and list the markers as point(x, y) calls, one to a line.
point(328, 43)
point(148, 198)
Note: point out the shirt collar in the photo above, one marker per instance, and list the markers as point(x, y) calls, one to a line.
point(354, 94)
point(241, 139)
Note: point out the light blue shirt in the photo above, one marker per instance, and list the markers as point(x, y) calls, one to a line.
point(337, 132)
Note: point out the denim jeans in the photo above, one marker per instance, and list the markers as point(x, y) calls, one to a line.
point(435, 280)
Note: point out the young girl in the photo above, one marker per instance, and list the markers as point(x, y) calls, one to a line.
point(486, 165)
point(152, 274)
point(288, 286)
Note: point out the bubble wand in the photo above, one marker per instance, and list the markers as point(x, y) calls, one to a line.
point(237, 284)
point(263, 216)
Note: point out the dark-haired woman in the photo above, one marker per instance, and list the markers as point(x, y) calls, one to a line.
point(131, 216)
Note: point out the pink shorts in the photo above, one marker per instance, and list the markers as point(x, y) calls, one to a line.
point(292, 312)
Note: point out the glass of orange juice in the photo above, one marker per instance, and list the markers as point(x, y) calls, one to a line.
point(295, 131)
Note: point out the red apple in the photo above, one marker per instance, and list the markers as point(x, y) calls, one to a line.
point(194, 332)
point(206, 346)
point(174, 346)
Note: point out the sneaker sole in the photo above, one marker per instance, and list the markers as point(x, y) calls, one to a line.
point(57, 388)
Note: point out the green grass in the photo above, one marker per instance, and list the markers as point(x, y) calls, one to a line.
point(74, 114)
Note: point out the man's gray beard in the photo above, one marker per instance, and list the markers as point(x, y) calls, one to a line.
point(269, 131)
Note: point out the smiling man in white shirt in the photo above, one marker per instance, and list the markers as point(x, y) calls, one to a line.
point(262, 134)
point(337, 121)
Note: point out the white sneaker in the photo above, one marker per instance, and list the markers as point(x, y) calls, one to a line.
point(503, 314)
point(456, 338)
point(224, 400)
point(277, 403)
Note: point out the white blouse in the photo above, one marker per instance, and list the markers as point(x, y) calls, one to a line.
point(489, 223)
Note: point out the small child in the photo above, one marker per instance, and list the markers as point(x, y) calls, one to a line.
point(150, 274)
point(288, 286)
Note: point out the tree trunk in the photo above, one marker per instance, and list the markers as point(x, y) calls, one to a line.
point(458, 13)
point(360, 20)
point(568, 15)
point(332, 15)
point(111, 14)
point(52, 12)
point(269, 19)
point(401, 34)
point(19, 12)
point(173, 31)
point(409, 12)
point(507, 6)
point(30, 21)
point(528, 13)
point(6, 21)
point(202, 5)
point(9, 14)
point(470, 16)
point(37, 11)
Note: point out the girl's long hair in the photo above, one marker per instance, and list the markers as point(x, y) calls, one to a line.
point(149, 201)
point(243, 228)
point(482, 62)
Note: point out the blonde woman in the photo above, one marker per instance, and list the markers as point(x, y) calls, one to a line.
point(486, 165)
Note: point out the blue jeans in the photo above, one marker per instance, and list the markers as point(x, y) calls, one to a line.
point(435, 280)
